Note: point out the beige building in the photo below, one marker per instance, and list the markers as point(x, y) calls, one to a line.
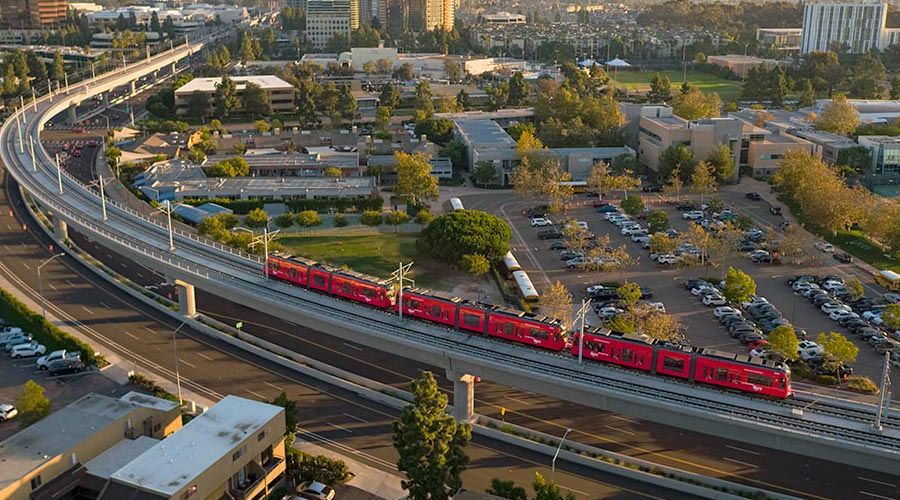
point(740, 65)
point(279, 92)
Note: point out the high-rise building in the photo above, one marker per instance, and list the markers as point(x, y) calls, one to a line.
point(325, 18)
point(31, 14)
point(427, 15)
point(856, 26)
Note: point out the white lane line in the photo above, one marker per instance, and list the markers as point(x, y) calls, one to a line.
point(7, 249)
point(354, 417)
point(204, 356)
point(104, 304)
point(742, 449)
point(517, 400)
point(745, 464)
point(873, 495)
point(339, 427)
point(623, 431)
point(352, 346)
point(260, 396)
point(51, 285)
point(149, 330)
point(279, 389)
point(192, 365)
point(87, 310)
point(69, 282)
point(626, 419)
point(23, 244)
point(135, 337)
point(26, 265)
point(876, 481)
point(573, 490)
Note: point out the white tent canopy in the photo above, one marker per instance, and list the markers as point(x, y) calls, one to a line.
point(617, 63)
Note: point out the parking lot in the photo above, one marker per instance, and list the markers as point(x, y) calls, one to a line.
point(666, 281)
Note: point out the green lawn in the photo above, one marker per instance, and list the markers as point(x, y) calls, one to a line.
point(373, 252)
point(640, 80)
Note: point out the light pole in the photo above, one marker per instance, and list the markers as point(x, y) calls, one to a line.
point(585, 304)
point(59, 174)
point(19, 127)
point(264, 239)
point(41, 282)
point(177, 370)
point(31, 147)
point(553, 463)
point(399, 275)
point(102, 185)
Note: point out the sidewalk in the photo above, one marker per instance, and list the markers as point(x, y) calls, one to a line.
point(368, 482)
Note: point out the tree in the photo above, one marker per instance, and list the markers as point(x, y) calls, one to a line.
point(891, 316)
point(895, 88)
point(197, 156)
point(414, 179)
point(739, 286)
point(838, 117)
point(424, 101)
point(389, 97)
point(226, 99)
point(347, 103)
point(695, 105)
point(538, 175)
point(518, 91)
point(546, 489)
point(382, 118)
point(371, 218)
point(475, 264)
point(154, 22)
point(703, 180)
point(838, 350)
point(32, 404)
point(783, 342)
point(257, 218)
point(438, 130)
point(430, 443)
point(337, 43)
point(308, 218)
point(807, 93)
point(658, 325)
point(506, 489)
point(676, 156)
point(291, 417)
point(332, 172)
point(485, 173)
point(600, 177)
point(285, 220)
point(658, 221)
point(306, 105)
point(866, 77)
point(660, 89)
point(232, 167)
point(465, 232)
point(262, 126)
point(198, 105)
point(556, 302)
point(721, 160)
point(405, 72)
point(462, 100)
point(855, 287)
point(661, 243)
point(396, 217)
point(675, 184)
point(452, 70)
point(58, 71)
point(632, 205)
point(255, 101)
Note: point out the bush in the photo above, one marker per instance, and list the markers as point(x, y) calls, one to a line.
point(243, 207)
point(285, 220)
point(141, 381)
point(475, 264)
point(17, 313)
point(862, 384)
point(632, 205)
point(371, 218)
point(340, 220)
point(395, 217)
point(308, 218)
point(257, 218)
point(424, 217)
point(317, 468)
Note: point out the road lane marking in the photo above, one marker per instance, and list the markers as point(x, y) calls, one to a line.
point(876, 481)
point(742, 449)
point(87, 310)
point(23, 244)
point(135, 337)
point(51, 285)
point(629, 420)
point(192, 365)
point(352, 346)
point(354, 417)
point(517, 400)
point(260, 396)
point(340, 427)
point(26, 265)
point(745, 464)
point(7, 249)
point(273, 386)
point(623, 431)
point(149, 329)
point(104, 304)
point(873, 495)
point(204, 356)
point(573, 490)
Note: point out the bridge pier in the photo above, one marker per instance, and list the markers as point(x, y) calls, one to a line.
point(133, 87)
point(73, 116)
point(60, 228)
point(463, 396)
point(106, 99)
point(187, 304)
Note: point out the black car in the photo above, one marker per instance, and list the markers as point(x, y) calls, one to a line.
point(550, 234)
point(694, 283)
point(730, 319)
point(604, 293)
point(646, 293)
point(65, 367)
point(684, 207)
point(851, 323)
point(652, 188)
point(753, 196)
point(746, 246)
point(843, 257)
point(559, 245)
point(750, 337)
point(775, 210)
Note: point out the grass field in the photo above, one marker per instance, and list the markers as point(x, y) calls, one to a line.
point(373, 252)
point(640, 80)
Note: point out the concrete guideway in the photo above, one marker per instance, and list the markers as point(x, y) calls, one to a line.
point(228, 274)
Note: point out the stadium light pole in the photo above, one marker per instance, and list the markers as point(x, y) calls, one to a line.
point(41, 282)
point(399, 275)
point(166, 208)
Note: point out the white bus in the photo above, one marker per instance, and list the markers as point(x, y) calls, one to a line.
point(456, 204)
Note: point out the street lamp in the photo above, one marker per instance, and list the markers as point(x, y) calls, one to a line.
point(177, 370)
point(59, 174)
point(166, 208)
point(33, 158)
point(102, 185)
point(553, 463)
point(264, 239)
point(41, 282)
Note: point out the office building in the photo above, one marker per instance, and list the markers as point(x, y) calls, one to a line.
point(31, 14)
point(279, 92)
point(787, 39)
point(501, 18)
point(326, 18)
point(428, 15)
point(855, 26)
point(884, 153)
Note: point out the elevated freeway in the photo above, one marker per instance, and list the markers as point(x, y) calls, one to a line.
point(825, 429)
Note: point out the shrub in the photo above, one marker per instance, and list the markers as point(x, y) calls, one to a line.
point(862, 384)
point(475, 264)
point(424, 217)
point(340, 220)
point(371, 218)
point(285, 220)
point(395, 217)
point(257, 218)
point(243, 207)
point(317, 468)
point(141, 381)
point(308, 218)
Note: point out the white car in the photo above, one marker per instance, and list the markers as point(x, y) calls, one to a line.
point(656, 306)
point(723, 310)
point(759, 352)
point(832, 285)
point(540, 222)
point(869, 315)
point(27, 350)
point(692, 215)
point(629, 230)
point(803, 285)
point(825, 247)
point(809, 349)
point(755, 300)
point(608, 313)
point(841, 314)
point(582, 224)
point(314, 490)
point(7, 412)
point(635, 237)
point(698, 291)
point(9, 330)
point(613, 215)
point(714, 299)
point(668, 258)
point(830, 307)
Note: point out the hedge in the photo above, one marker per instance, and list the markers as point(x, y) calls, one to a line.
point(243, 207)
point(16, 313)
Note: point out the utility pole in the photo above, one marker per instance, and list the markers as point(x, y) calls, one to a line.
point(59, 174)
point(19, 127)
point(33, 159)
point(399, 275)
point(264, 239)
point(585, 304)
point(41, 282)
point(102, 185)
point(884, 401)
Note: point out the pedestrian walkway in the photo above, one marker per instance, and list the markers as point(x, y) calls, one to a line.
point(368, 481)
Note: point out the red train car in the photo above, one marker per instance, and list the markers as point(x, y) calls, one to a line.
point(525, 328)
point(294, 270)
point(743, 373)
point(349, 285)
point(429, 305)
point(623, 349)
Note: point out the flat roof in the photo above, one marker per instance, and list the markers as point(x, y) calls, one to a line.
point(267, 82)
point(500, 114)
point(482, 131)
point(177, 460)
point(111, 460)
point(61, 431)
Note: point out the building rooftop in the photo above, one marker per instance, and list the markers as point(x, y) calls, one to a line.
point(668, 121)
point(111, 460)
point(500, 114)
point(267, 82)
point(485, 132)
point(879, 139)
point(180, 458)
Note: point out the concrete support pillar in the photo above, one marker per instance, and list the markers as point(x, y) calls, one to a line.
point(186, 301)
point(133, 88)
point(463, 396)
point(106, 99)
point(60, 228)
point(73, 116)
point(173, 68)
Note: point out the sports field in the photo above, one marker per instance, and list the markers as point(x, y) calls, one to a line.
point(640, 80)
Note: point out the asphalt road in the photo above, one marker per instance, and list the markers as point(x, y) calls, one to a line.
point(340, 420)
point(691, 451)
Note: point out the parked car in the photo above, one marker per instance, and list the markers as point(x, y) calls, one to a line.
point(843, 257)
point(753, 196)
point(65, 367)
point(684, 207)
point(652, 188)
point(607, 209)
point(692, 215)
point(314, 490)
point(559, 245)
point(14, 340)
point(540, 222)
point(9, 330)
point(668, 259)
point(43, 362)
point(27, 350)
point(550, 234)
point(825, 247)
point(714, 300)
point(7, 412)
point(775, 210)
point(723, 310)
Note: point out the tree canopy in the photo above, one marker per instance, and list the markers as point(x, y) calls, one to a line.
point(465, 232)
point(414, 179)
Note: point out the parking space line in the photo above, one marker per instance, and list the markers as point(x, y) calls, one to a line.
point(204, 356)
point(873, 495)
point(87, 310)
point(623, 431)
point(892, 485)
point(626, 419)
point(273, 386)
point(354, 417)
point(132, 335)
point(53, 287)
point(26, 265)
point(340, 427)
point(187, 363)
point(260, 396)
point(351, 346)
point(517, 400)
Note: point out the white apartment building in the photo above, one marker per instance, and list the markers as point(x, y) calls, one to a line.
point(325, 18)
point(858, 26)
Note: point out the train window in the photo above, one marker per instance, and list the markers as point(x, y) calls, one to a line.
point(471, 320)
point(673, 364)
point(318, 280)
point(758, 379)
point(437, 312)
point(721, 374)
point(509, 328)
point(345, 287)
point(595, 346)
point(627, 354)
point(411, 303)
point(368, 292)
point(537, 334)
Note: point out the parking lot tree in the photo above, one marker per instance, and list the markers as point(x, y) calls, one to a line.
point(538, 176)
point(546, 489)
point(506, 489)
point(454, 234)
point(239, 148)
point(838, 117)
point(600, 178)
point(722, 162)
point(855, 287)
point(575, 236)
point(694, 104)
point(626, 181)
point(797, 247)
point(308, 218)
point(658, 221)
point(414, 179)
point(332, 172)
point(703, 180)
point(662, 243)
point(676, 156)
point(430, 443)
point(660, 89)
point(658, 325)
point(783, 342)
point(891, 316)
point(424, 101)
point(257, 218)
point(382, 118)
point(285, 220)
point(556, 302)
point(632, 205)
point(697, 236)
point(674, 184)
point(32, 404)
point(838, 350)
point(485, 173)
point(807, 93)
point(739, 286)
point(475, 264)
